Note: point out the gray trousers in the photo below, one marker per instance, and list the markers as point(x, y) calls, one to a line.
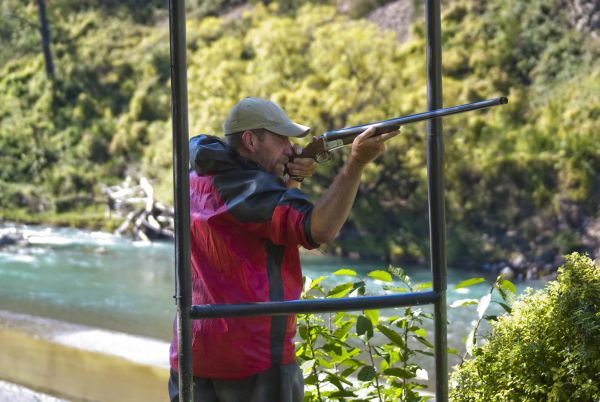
point(278, 384)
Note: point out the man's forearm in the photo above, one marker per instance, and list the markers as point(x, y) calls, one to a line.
point(332, 209)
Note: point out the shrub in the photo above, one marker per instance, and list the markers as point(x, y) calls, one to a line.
point(547, 349)
point(363, 356)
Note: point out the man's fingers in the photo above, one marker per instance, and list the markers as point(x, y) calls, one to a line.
point(303, 167)
point(389, 135)
point(369, 132)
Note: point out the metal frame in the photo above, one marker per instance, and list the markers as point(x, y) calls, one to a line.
point(437, 223)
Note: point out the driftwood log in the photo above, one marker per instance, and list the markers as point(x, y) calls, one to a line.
point(144, 218)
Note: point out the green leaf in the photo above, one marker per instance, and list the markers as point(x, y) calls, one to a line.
point(506, 307)
point(307, 365)
point(342, 394)
point(333, 350)
point(372, 315)
point(470, 342)
point(463, 302)
point(367, 373)
point(399, 372)
point(315, 282)
point(422, 286)
point(345, 271)
point(508, 285)
point(395, 289)
point(364, 326)
point(333, 376)
point(469, 282)
point(311, 379)
point(424, 341)
point(324, 362)
point(340, 290)
point(384, 364)
point(359, 287)
point(342, 330)
point(422, 374)
point(392, 335)
point(335, 380)
point(303, 332)
point(421, 332)
point(380, 275)
point(484, 302)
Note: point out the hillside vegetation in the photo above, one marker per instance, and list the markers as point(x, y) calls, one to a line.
point(522, 180)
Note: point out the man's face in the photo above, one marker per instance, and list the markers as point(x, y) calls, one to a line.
point(273, 152)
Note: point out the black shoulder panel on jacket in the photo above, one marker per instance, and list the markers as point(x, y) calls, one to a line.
point(251, 194)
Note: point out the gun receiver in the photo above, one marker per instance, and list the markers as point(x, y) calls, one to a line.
point(319, 149)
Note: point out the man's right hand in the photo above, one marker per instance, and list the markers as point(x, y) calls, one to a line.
point(366, 147)
point(332, 209)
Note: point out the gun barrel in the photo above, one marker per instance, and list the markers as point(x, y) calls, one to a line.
point(413, 118)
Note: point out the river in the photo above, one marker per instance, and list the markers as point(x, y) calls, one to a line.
point(110, 282)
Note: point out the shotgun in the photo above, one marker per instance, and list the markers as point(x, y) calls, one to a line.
point(320, 148)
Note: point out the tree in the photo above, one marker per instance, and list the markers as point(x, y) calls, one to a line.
point(45, 32)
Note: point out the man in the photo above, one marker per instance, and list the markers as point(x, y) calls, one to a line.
point(247, 220)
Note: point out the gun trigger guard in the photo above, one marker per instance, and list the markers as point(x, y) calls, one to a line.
point(323, 157)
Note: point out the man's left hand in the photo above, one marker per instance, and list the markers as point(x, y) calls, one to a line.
point(299, 167)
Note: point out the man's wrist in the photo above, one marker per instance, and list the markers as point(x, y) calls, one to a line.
point(355, 163)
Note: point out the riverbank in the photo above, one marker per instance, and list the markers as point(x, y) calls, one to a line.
point(92, 217)
point(80, 363)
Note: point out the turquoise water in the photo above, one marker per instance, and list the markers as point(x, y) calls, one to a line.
point(111, 282)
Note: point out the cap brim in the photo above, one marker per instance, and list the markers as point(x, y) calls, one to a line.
point(290, 129)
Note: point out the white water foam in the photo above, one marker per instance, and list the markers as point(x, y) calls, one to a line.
point(134, 348)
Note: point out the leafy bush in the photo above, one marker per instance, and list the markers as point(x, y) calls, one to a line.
point(365, 356)
point(547, 349)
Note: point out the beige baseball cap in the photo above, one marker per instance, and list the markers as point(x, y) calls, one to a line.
point(254, 113)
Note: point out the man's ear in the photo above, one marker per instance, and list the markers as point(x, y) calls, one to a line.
point(249, 140)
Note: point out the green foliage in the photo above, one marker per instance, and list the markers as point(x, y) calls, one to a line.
point(140, 11)
point(91, 125)
point(547, 349)
point(510, 171)
point(366, 356)
point(18, 30)
point(507, 292)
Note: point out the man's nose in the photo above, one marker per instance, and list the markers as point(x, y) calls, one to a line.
point(288, 151)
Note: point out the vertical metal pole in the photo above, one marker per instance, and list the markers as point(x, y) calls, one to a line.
point(179, 107)
point(435, 171)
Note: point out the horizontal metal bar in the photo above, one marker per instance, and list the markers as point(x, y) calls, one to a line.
point(312, 306)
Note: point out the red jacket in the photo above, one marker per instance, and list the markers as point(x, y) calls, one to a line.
point(246, 226)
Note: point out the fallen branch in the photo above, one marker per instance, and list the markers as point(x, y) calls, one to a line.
point(144, 218)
